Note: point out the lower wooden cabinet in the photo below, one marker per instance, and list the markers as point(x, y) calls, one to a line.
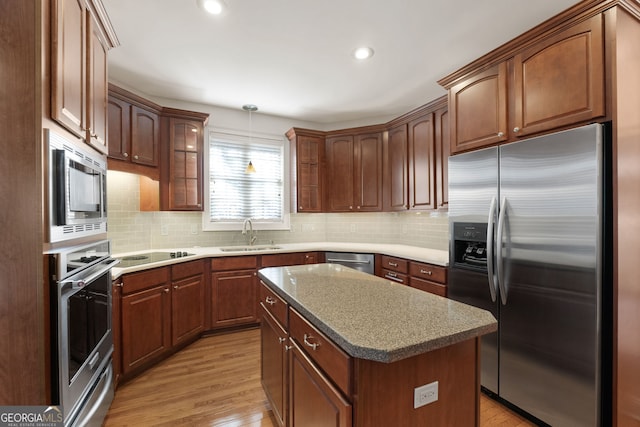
point(273, 368)
point(187, 301)
point(233, 297)
point(313, 400)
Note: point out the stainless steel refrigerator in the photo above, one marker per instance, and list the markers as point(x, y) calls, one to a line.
point(528, 226)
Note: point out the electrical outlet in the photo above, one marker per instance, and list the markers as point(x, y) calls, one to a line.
point(194, 229)
point(164, 230)
point(353, 228)
point(425, 394)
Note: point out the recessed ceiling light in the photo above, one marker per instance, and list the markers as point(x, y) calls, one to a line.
point(214, 7)
point(363, 53)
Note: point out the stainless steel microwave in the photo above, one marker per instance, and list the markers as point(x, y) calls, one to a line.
point(77, 190)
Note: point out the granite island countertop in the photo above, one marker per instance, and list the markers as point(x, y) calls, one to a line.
point(373, 318)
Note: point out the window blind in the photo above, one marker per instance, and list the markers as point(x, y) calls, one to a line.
point(236, 195)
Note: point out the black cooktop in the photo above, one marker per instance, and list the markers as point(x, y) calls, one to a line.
point(149, 257)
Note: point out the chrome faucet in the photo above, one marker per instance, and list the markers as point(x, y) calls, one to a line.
point(251, 238)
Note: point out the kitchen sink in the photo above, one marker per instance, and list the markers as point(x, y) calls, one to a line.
point(249, 248)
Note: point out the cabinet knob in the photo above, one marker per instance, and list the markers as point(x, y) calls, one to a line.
point(120, 285)
point(300, 208)
point(175, 287)
point(166, 290)
point(125, 154)
point(350, 208)
point(500, 134)
point(287, 347)
point(281, 339)
point(135, 157)
point(516, 129)
point(269, 300)
point(358, 207)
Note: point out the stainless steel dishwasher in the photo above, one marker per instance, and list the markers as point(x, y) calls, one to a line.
point(361, 262)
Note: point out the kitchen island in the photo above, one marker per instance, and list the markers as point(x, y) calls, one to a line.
point(350, 349)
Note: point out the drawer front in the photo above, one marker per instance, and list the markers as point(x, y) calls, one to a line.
point(428, 272)
point(274, 304)
point(428, 286)
point(395, 276)
point(335, 363)
point(134, 282)
point(395, 264)
point(279, 260)
point(234, 263)
point(187, 269)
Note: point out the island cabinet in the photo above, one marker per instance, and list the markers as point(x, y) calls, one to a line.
point(428, 278)
point(80, 43)
point(307, 166)
point(233, 291)
point(395, 269)
point(320, 368)
point(552, 83)
point(354, 172)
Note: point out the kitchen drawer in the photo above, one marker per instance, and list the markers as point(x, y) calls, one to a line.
point(334, 362)
point(428, 286)
point(395, 276)
point(234, 263)
point(134, 282)
point(428, 272)
point(279, 260)
point(395, 264)
point(187, 269)
point(274, 304)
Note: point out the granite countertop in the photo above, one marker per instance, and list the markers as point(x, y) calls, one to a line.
point(431, 256)
point(373, 318)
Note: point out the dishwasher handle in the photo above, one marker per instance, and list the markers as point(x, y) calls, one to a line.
point(348, 261)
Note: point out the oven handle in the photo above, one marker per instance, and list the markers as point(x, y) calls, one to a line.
point(81, 283)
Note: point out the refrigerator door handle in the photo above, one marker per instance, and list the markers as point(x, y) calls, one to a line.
point(499, 261)
point(490, 245)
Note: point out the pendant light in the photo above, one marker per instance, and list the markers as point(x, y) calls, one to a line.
point(250, 108)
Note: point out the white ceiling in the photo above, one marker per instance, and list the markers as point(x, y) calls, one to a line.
point(292, 58)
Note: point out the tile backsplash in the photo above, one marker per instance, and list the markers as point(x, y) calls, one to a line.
point(133, 230)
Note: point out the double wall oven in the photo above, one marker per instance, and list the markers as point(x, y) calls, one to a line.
point(80, 284)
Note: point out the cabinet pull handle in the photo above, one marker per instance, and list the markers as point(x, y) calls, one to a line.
point(310, 344)
point(500, 134)
point(166, 290)
point(392, 274)
point(427, 272)
point(120, 285)
point(395, 279)
point(269, 300)
point(516, 129)
point(281, 339)
point(393, 264)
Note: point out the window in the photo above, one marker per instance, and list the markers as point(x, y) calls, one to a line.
point(233, 195)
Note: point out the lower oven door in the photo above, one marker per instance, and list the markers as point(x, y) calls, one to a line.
point(84, 336)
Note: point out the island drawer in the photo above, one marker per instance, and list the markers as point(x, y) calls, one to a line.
point(395, 276)
point(273, 304)
point(428, 272)
point(429, 286)
point(334, 362)
point(395, 264)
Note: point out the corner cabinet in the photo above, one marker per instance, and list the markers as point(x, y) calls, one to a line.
point(182, 188)
point(233, 291)
point(556, 82)
point(307, 164)
point(80, 42)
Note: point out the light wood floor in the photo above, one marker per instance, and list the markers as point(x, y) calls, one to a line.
point(216, 382)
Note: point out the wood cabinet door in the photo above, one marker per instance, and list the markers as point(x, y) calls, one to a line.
point(187, 309)
point(233, 298)
point(186, 164)
point(560, 80)
point(97, 86)
point(340, 191)
point(313, 400)
point(145, 136)
point(309, 173)
point(395, 170)
point(421, 148)
point(146, 326)
point(68, 88)
point(478, 110)
point(116, 327)
point(442, 158)
point(119, 113)
point(273, 364)
point(367, 160)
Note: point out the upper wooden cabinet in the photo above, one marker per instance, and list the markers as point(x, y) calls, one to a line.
point(421, 149)
point(396, 179)
point(354, 177)
point(145, 136)
point(556, 82)
point(80, 41)
point(441, 117)
point(307, 164)
point(478, 109)
point(183, 188)
point(559, 81)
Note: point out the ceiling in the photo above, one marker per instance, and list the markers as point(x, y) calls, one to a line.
point(292, 58)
